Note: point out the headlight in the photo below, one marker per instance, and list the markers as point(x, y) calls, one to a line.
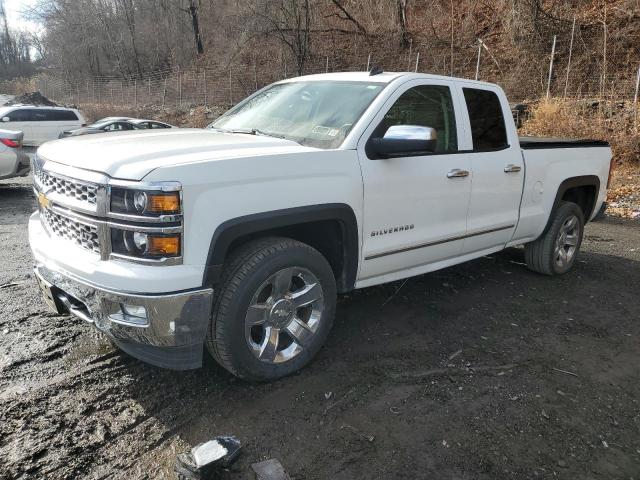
point(147, 222)
point(145, 245)
point(148, 203)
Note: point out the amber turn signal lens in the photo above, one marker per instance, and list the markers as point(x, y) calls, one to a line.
point(163, 202)
point(165, 245)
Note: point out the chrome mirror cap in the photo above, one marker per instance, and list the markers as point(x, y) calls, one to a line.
point(410, 132)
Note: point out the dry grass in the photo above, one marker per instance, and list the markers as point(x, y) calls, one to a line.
point(18, 86)
point(611, 121)
point(615, 122)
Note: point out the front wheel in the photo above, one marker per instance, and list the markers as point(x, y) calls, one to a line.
point(555, 252)
point(273, 310)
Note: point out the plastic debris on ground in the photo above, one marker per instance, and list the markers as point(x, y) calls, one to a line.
point(205, 459)
point(270, 469)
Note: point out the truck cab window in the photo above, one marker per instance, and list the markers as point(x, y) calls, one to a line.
point(425, 106)
point(487, 122)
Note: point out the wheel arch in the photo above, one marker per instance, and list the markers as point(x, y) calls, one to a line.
point(570, 187)
point(330, 228)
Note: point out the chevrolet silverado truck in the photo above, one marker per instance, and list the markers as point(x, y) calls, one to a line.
point(237, 238)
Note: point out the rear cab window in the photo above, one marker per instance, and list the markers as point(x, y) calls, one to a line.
point(488, 130)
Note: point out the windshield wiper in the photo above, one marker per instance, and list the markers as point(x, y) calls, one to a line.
point(250, 131)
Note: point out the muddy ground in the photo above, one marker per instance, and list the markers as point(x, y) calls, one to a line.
point(481, 371)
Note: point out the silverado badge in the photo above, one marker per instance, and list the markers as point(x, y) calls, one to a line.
point(386, 231)
point(43, 200)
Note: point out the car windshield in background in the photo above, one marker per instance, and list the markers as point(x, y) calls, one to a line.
point(315, 114)
point(99, 124)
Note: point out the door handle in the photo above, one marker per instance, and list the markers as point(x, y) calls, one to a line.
point(511, 168)
point(457, 173)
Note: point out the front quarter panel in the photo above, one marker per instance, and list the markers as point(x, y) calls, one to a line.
point(221, 190)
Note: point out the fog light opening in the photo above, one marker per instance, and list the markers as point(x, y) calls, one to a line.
point(131, 315)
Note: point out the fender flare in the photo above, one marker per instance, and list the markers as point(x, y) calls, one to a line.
point(229, 231)
point(572, 182)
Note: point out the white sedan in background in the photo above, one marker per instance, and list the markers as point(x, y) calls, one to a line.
point(150, 124)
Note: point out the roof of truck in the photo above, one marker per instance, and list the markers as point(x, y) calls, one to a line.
point(384, 77)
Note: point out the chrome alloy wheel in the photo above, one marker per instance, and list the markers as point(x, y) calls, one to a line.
point(284, 314)
point(567, 242)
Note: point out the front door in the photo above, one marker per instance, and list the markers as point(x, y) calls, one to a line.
point(415, 210)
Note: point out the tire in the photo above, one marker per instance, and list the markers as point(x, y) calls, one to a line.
point(264, 326)
point(544, 255)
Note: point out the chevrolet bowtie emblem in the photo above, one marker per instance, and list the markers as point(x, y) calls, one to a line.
point(43, 200)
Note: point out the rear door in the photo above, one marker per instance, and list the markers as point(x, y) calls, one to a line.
point(497, 168)
point(416, 206)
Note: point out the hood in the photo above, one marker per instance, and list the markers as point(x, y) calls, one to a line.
point(133, 155)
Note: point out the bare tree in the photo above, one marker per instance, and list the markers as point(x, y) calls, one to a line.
point(289, 21)
point(346, 15)
point(192, 10)
point(128, 14)
point(15, 49)
point(403, 23)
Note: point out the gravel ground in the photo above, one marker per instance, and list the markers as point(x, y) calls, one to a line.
point(481, 371)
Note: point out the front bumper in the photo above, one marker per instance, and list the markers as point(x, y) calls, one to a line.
point(176, 323)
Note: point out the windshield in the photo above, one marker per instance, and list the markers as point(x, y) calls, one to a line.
point(315, 114)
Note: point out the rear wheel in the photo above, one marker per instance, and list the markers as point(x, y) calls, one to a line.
point(273, 310)
point(555, 252)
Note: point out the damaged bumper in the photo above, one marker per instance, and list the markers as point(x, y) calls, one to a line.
point(166, 330)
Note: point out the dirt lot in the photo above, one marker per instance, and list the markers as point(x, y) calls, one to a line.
point(459, 374)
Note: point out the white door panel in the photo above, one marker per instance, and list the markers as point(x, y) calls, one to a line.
point(497, 166)
point(495, 198)
point(415, 213)
point(416, 193)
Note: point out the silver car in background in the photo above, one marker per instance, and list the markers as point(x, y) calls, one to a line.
point(14, 162)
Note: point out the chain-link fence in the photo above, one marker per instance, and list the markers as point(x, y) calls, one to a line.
point(226, 86)
point(564, 60)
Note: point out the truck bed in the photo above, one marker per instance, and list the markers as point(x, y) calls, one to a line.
point(532, 143)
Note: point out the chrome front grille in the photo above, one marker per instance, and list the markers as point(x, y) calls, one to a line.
point(84, 235)
point(75, 206)
point(78, 192)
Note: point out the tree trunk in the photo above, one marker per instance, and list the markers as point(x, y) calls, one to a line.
point(403, 23)
point(193, 11)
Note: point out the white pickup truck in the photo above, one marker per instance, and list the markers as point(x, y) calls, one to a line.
point(238, 237)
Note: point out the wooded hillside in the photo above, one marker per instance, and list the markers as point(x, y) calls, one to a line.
point(129, 38)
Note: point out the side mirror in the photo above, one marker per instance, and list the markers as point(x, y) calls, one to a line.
point(405, 140)
point(6, 119)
